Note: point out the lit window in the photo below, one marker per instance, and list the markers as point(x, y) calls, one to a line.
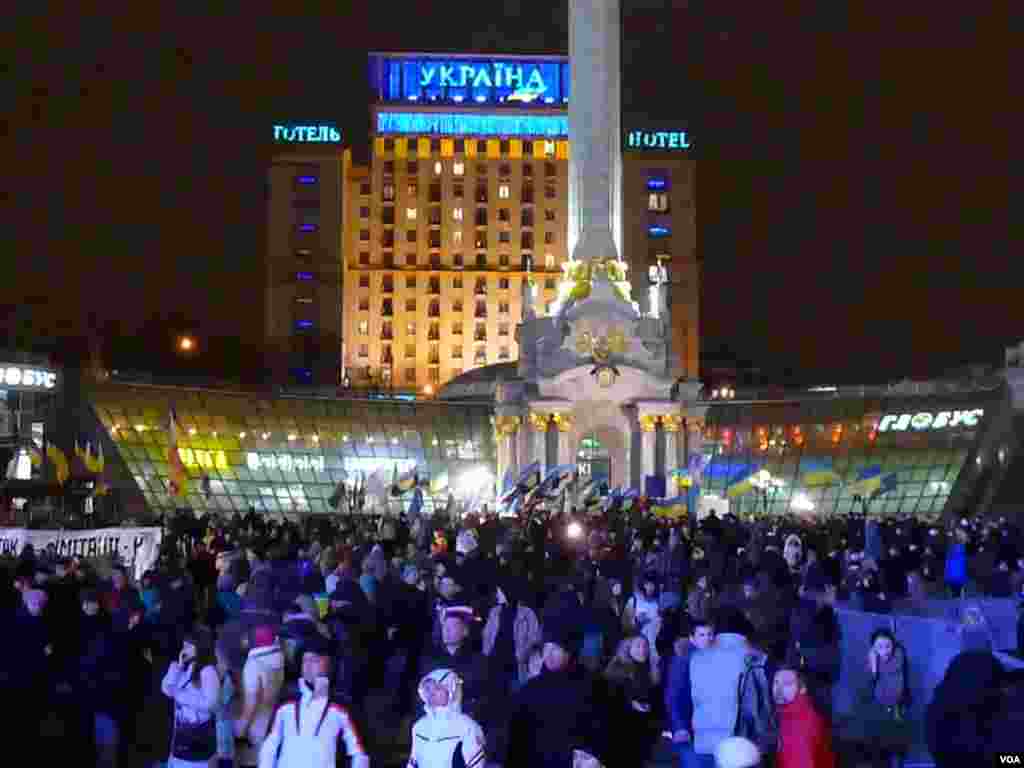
point(304, 300)
point(549, 149)
point(457, 352)
point(459, 168)
point(410, 328)
point(410, 375)
point(410, 214)
point(549, 261)
point(364, 350)
point(364, 327)
point(503, 191)
point(456, 329)
point(457, 214)
point(388, 192)
point(657, 201)
point(413, 190)
point(503, 353)
point(364, 281)
point(410, 351)
point(457, 237)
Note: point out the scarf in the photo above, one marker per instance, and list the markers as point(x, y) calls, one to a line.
point(505, 642)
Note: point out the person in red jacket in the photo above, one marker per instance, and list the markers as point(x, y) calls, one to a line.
point(805, 737)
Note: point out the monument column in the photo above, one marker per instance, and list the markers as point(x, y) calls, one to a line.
point(505, 429)
point(539, 432)
point(671, 423)
point(648, 435)
point(564, 423)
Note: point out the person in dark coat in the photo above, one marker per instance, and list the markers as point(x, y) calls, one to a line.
point(455, 652)
point(25, 669)
point(959, 720)
point(560, 712)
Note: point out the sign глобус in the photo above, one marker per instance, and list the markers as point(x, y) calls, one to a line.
point(28, 378)
point(927, 420)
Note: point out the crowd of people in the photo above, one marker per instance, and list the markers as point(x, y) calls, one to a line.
point(553, 641)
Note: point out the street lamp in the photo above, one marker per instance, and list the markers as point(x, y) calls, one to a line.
point(186, 344)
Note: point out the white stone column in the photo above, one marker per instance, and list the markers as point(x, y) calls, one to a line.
point(595, 155)
point(539, 435)
point(505, 429)
point(648, 430)
point(671, 424)
point(564, 425)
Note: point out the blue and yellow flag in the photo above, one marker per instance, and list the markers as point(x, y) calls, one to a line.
point(671, 509)
point(60, 463)
point(871, 482)
point(818, 473)
point(742, 484)
point(407, 481)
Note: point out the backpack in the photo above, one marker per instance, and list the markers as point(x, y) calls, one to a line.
point(756, 719)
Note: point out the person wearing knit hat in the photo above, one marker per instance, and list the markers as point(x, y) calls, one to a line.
point(737, 752)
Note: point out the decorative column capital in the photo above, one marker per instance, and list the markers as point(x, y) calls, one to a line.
point(671, 422)
point(563, 421)
point(539, 421)
point(695, 424)
point(506, 425)
point(649, 422)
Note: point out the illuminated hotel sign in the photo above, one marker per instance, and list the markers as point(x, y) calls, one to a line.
point(456, 80)
point(307, 134)
point(920, 422)
point(196, 457)
point(654, 140)
point(284, 462)
point(468, 124)
point(23, 378)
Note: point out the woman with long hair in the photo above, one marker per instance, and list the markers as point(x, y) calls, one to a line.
point(193, 684)
point(629, 674)
point(882, 711)
point(958, 723)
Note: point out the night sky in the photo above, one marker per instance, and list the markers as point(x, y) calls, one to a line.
point(853, 178)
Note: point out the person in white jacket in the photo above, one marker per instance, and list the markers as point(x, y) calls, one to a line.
point(444, 730)
point(305, 732)
point(262, 678)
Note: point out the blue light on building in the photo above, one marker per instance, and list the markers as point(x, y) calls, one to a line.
point(658, 231)
point(656, 183)
point(304, 325)
point(453, 124)
point(307, 227)
point(306, 179)
point(304, 276)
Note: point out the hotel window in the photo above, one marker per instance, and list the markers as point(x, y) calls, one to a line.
point(434, 375)
point(527, 148)
point(434, 332)
point(364, 304)
point(458, 191)
point(549, 261)
point(413, 189)
point(304, 255)
point(502, 283)
point(364, 350)
point(385, 355)
point(434, 310)
point(549, 284)
point(457, 283)
point(387, 192)
point(528, 194)
point(458, 168)
point(550, 170)
point(457, 305)
point(410, 351)
point(389, 260)
point(480, 356)
point(435, 261)
point(527, 240)
point(386, 309)
point(410, 305)
point(503, 260)
point(435, 145)
point(481, 239)
point(410, 236)
point(389, 167)
point(410, 281)
point(364, 327)
point(504, 237)
point(549, 214)
point(386, 331)
point(388, 284)
point(503, 146)
point(481, 193)
point(364, 212)
point(480, 331)
point(504, 191)
point(412, 167)
point(364, 188)
point(503, 308)
point(364, 281)
point(387, 216)
point(503, 329)
point(481, 286)
point(435, 216)
point(549, 238)
point(435, 193)
point(410, 214)
point(456, 352)
point(385, 374)
point(433, 355)
point(434, 239)
point(410, 145)
point(389, 145)
point(457, 328)
point(387, 238)
point(527, 217)
point(527, 167)
point(434, 287)
point(549, 149)
point(457, 258)
point(364, 235)
point(410, 260)
point(457, 214)
point(550, 192)
point(481, 260)
point(657, 201)
point(504, 215)
point(505, 171)
point(460, 146)
point(481, 146)
point(438, 168)
point(457, 237)
point(481, 309)
point(410, 375)
point(481, 217)
point(503, 353)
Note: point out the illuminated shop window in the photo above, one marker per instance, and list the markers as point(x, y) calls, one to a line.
point(410, 214)
point(458, 168)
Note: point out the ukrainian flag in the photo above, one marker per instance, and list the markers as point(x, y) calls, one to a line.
point(868, 481)
point(682, 478)
point(407, 481)
point(819, 474)
point(439, 483)
point(743, 484)
point(35, 456)
point(671, 509)
point(59, 461)
point(529, 478)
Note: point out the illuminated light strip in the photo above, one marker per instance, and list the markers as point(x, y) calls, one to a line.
point(449, 124)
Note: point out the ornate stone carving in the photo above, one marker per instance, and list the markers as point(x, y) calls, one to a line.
point(649, 422)
point(506, 425)
point(672, 422)
point(695, 424)
point(563, 421)
point(539, 421)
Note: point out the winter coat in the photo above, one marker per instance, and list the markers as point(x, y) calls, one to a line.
point(526, 633)
point(473, 668)
point(805, 738)
point(960, 718)
point(714, 676)
point(444, 731)
point(956, 566)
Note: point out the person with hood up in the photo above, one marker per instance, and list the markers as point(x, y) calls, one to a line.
point(959, 720)
point(262, 679)
point(306, 730)
point(512, 629)
point(445, 737)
